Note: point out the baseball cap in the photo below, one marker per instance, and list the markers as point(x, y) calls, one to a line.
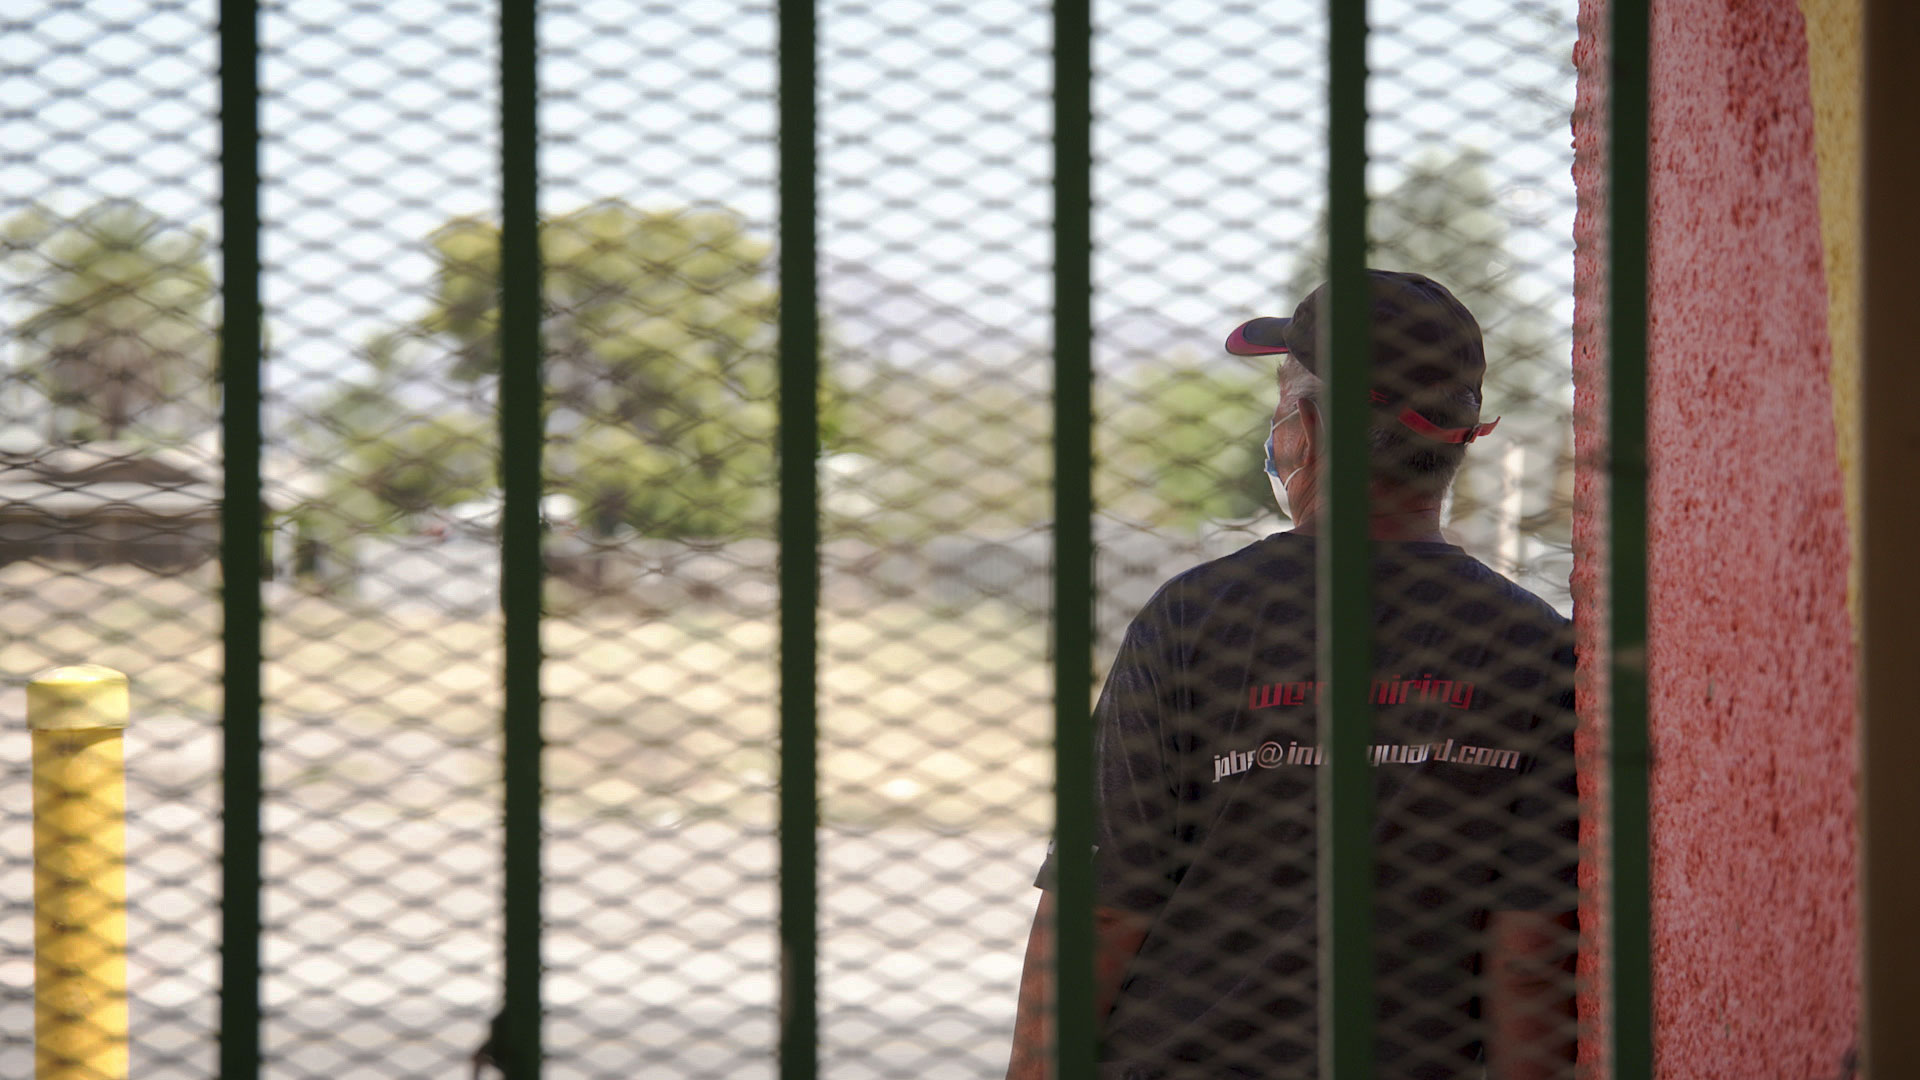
point(1425, 346)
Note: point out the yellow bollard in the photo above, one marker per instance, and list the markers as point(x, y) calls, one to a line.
point(77, 715)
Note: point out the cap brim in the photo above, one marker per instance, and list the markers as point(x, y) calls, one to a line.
point(1259, 337)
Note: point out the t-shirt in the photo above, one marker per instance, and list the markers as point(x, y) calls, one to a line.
point(1207, 772)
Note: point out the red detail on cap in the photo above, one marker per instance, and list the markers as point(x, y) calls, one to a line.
point(1437, 433)
point(1378, 397)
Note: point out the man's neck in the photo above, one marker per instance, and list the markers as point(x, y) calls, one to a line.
point(1421, 524)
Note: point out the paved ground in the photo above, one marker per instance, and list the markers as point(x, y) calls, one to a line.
point(382, 956)
point(381, 951)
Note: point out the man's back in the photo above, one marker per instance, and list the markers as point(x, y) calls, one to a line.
point(1207, 766)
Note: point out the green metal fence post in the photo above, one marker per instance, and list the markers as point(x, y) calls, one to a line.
point(799, 546)
point(521, 438)
point(1345, 628)
point(1076, 1037)
point(242, 534)
point(1630, 925)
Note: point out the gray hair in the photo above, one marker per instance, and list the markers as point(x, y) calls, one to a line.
point(1396, 454)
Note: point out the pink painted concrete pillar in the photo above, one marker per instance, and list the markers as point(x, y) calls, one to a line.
point(1752, 641)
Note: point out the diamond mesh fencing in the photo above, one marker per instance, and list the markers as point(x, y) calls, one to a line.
point(1211, 210)
point(657, 164)
point(379, 147)
point(659, 135)
point(109, 529)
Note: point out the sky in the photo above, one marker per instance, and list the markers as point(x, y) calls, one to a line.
point(379, 125)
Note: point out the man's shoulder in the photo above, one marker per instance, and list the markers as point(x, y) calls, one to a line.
point(1284, 563)
point(1280, 560)
point(1517, 597)
point(1284, 554)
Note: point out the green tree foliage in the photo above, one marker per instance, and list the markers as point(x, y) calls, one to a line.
point(120, 329)
point(1442, 220)
point(926, 451)
point(1179, 446)
point(946, 451)
point(659, 334)
point(426, 462)
point(385, 454)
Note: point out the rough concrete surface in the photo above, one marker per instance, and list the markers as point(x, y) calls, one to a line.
point(1751, 662)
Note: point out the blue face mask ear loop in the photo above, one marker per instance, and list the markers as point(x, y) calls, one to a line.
point(1274, 480)
point(1272, 467)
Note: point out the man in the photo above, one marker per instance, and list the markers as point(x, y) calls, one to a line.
point(1206, 951)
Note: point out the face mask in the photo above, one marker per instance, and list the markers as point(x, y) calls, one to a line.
point(1274, 480)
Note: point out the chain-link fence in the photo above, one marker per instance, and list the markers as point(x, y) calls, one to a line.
point(109, 492)
point(381, 278)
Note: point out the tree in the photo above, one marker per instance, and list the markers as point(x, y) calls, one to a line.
point(1180, 445)
point(935, 449)
point(659, 333)
point(1441, 220)
point(427, 463)
point(122, 326)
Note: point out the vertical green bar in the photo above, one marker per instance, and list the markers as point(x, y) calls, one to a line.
point(1631, 922)
point(1076, 1039)
point(242, 536)
point(1345, 625)
point(799, 547)
point(520, 401)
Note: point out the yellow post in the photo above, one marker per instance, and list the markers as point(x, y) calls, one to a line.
point(77, 715)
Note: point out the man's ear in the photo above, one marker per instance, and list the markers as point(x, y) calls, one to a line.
point(1312, 425)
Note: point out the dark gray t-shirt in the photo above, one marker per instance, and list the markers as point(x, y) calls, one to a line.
point(1207, 764)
